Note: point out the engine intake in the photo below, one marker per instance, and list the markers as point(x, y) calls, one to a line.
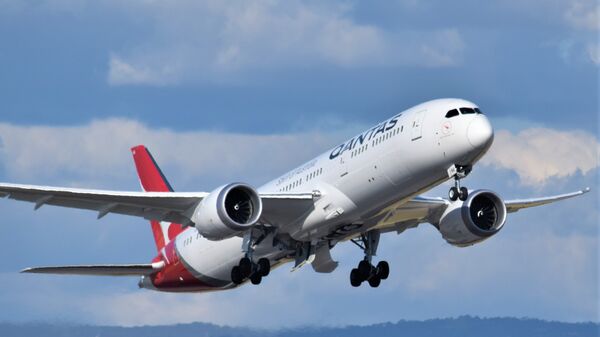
point(482, 215)
point(227, 211)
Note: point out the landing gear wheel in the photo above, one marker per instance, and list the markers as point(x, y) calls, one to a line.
point(365, 269)
point(463, 193)
point(355, 278)
point(245, 267)
point(255, 278)
point(383, 270)
point(374, 281)
point(264, 267)
point(236, 275)
point(453, 193)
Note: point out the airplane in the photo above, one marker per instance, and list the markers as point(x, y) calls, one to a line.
point(371, 184)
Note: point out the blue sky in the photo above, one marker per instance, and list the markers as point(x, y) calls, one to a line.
point(218, 90)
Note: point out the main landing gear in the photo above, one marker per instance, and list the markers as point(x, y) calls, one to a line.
point(459, 192)
point(366, 271)
point(246, 268)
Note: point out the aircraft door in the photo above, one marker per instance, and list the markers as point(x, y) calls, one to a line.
point(417, 125)
point(343, 165)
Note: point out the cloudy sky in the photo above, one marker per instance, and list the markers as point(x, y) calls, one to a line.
point(226, 90)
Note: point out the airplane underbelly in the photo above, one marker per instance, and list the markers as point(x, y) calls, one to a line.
point(211, 261)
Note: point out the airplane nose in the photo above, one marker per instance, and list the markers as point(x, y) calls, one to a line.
point(480, 132)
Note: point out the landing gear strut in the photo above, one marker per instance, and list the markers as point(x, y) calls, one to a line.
point(457, 192)
point(366, 271)
point(247, 268)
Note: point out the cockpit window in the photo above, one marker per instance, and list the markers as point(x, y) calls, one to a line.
point(452, 113)
point(478, 111)
point(466, 111)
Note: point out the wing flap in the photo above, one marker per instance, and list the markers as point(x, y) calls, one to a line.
point(409, 213)
point(282, 209)
point(99, 270)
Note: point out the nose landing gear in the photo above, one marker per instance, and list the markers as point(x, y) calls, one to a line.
point(457, 192)
point(365, 270)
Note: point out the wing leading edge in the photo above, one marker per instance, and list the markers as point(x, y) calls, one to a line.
point(177, 207)
point(515, 205)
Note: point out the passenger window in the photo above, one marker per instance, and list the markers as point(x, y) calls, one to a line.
point(467, 111)
point(452, 113)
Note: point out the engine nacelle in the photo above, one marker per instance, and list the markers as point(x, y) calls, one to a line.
point(227, 211)
point(468, 222)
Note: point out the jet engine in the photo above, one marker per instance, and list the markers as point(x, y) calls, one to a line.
point(227, 211)
point(468, 222)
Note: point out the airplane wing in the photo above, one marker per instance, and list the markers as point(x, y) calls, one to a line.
point(277, 208)
point(100, 270)
point(515, 205)
point(408, 214)
point(163, 206)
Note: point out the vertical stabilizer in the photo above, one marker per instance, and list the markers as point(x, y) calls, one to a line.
point(152, 179)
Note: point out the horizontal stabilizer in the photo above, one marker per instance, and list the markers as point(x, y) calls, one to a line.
point(100, 270)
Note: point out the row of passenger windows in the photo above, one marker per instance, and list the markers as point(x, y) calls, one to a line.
point(298, 182)
point(376, 141)
point(188, 240)
point(314, 174)
point(359, 150)
point(464, 111)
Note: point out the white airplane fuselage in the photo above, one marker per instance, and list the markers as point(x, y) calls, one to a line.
point(389, 163)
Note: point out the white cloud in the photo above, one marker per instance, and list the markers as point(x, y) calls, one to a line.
point(99, 152)
point(218, 41)
point(143, 307)
point(593, 50)
point(581, 17)
point(584, 14)
point(539, 154)
point(443, 49)
point(122, 72)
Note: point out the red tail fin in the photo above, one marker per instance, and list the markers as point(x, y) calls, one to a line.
point(151, 177)
point(153, 180)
